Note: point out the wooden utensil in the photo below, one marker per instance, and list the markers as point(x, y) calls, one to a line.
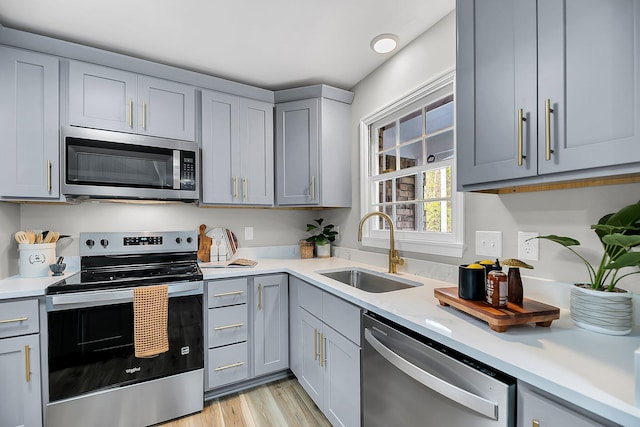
point(32, 236)
point(204, 245)
point(51, 237)
point(21, 237)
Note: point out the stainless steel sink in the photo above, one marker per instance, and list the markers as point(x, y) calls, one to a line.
point(369, 281)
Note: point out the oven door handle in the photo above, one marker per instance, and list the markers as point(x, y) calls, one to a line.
point(92, 298)
point(474, 402)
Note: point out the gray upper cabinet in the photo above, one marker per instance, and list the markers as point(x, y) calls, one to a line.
point(313, 147)
point(546, 91)
point(29, 121)
point(237, 150)
point(107, 98)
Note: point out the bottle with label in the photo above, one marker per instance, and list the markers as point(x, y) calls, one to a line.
point(497, 287)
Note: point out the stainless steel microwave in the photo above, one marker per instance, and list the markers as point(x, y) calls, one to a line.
point(98, 164)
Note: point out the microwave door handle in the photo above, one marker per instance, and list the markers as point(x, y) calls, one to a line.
point(176, 169)
point(476, 403)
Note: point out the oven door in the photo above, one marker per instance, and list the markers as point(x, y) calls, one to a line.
point(90, 338)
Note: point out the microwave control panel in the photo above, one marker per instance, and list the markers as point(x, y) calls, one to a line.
point(188, 170)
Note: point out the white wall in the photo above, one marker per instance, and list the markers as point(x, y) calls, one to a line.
point(562, 212)
point(9, 224)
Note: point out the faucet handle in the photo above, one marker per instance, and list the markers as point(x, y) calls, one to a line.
point(396, 258)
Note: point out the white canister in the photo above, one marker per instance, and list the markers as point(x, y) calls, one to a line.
point(36, 258)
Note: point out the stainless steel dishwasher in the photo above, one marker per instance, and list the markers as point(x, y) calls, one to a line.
point(410, 380)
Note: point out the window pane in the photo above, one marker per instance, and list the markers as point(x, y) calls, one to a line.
point(387, 162)
point(384, 192)
point(406, 217)
point(411, 126)
point(440, 147)
point(437, 183)
point(405, 188)
point(411, 155)
point(387, 136)
point(379, 222)
point(440, 115)
point(437, 217)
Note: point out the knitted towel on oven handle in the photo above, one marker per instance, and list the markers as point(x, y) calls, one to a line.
point(150, 317)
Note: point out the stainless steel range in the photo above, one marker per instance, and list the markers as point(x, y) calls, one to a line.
point(94, 377)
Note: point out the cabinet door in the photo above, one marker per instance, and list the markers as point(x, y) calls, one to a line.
point(311, 373)
point(589, 56)
point(496, 77)
point(21, 404)
point(256, 152)
point(29, 121)
point(341, 359)
point(102, 97)
point(297, 139)
point(271, 320)
point(166, 109)
point(220, 148)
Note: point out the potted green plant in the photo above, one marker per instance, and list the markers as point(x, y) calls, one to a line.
point(600, 305)
point(325, 235)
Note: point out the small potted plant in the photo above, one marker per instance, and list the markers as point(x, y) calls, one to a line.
point(600, 305)
point(325, 235)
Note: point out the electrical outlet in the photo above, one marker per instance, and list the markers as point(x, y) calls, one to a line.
point(528, 249)
point(337, 230)
point(248, 233)
point(489, 243)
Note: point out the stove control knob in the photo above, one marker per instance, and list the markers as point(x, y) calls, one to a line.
point(178, 240)
point(189, 239)
point(90, 243)
point(104, 243)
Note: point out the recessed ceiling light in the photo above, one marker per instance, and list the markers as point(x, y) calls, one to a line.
point(384, 43)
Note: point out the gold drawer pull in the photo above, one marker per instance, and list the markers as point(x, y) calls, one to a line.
point(227, 294)
point(27, 363)
point(17, 319)
point(235, 325)
point(233, 365)
point(535, 423)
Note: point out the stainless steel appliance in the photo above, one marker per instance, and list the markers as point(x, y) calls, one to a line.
point(103, 164)
point(409, 380)
point(94, 378)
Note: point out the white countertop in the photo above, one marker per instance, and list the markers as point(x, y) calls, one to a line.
point(591, 370)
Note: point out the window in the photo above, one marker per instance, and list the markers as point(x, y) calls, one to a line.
point(409, 174)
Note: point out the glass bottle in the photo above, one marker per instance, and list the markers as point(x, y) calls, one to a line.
point(497, 287)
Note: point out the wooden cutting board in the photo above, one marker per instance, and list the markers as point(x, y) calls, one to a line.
point(500, 319)
point(204, 245)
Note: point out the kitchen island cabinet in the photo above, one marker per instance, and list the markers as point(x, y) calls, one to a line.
point(29, 121)
point(20, 387)
point(547, 91)
point(313, 149)
point(111, 99)
point(237, 150)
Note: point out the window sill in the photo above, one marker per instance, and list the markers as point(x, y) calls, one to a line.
point(451, 249)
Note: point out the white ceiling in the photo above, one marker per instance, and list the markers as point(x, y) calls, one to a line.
point(272, 44)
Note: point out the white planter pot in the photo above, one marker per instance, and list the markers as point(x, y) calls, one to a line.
point(604, 312)
point(323, 251)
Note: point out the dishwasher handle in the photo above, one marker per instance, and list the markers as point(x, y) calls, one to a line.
point(469, 400)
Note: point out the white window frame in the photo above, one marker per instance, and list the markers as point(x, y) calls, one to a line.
point(444, 244)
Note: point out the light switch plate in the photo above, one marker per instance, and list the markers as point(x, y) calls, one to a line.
point(248, 233)
point(489, 243)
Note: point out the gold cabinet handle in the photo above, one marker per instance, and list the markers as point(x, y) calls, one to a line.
point(535, 423)
point(245, 188)
point(144, 115)
point(521, 120)
point(27, 363)
point(17, 319)
point(547, 129)
point(323, 361)
point(130, 113)
point(222, 328)
point(313, 187)
point(48, 176)
point(235, 187)
point(233, 365)
point(227, 294)
point(260, 296)
point(315, 344)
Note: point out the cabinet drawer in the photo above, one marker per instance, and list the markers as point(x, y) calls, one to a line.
point(227, 325)
point(221, 293)
point(310, 298)
point(18, 318)
point(228, 364)
point(342, 316)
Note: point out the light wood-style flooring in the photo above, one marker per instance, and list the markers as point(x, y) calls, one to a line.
point(279, 404)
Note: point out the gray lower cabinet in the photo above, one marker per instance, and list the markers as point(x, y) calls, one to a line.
point(20, 387)
point(313, 147)
point(237, 150)
point(107, 98)
point(29, 121)
point(271, 324)
point(325, 351)
point(546, 90)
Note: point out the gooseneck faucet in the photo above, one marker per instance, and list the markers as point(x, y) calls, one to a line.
point(394, 256)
